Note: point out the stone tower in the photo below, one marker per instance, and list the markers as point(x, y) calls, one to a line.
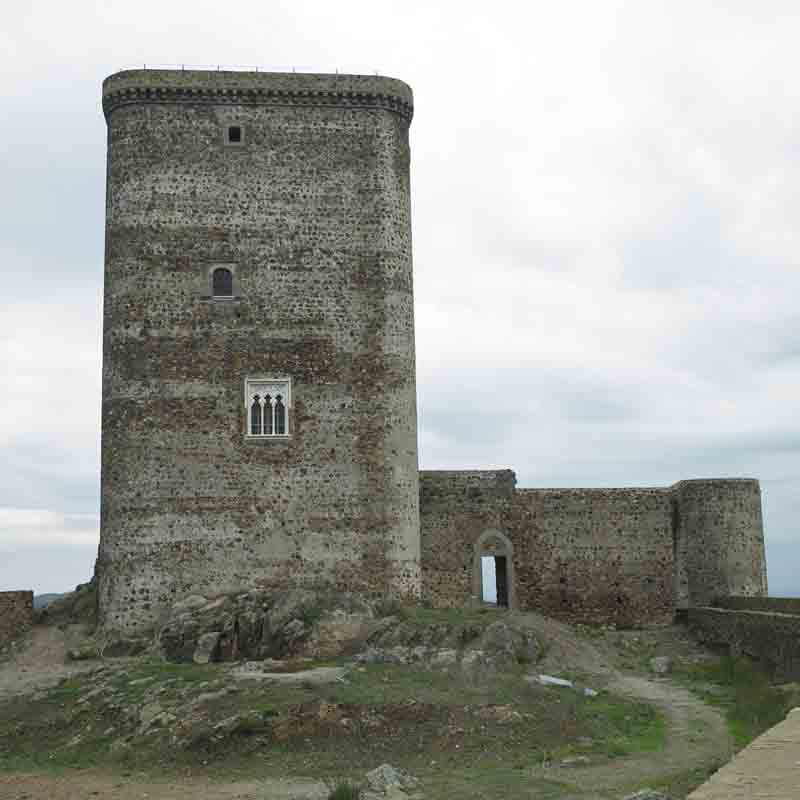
point(259, 397)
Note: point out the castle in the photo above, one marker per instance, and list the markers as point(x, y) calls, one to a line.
point(259, 395)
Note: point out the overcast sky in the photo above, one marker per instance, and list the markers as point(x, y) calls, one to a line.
point(606, 238)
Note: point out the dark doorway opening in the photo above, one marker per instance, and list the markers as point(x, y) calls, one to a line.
point(501, 578)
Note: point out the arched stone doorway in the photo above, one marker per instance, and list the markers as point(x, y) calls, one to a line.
point(493, 562)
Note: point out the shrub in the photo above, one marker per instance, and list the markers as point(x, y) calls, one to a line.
point(344, 790)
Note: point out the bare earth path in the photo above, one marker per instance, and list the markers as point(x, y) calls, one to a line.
point(91, 786)
point(696, 733)
point(697, 736)
point(41, 663)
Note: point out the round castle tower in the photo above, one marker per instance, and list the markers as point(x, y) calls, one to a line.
point(259, 397)
point(719, 540)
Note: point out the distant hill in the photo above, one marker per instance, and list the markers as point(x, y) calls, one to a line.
point(42, 600)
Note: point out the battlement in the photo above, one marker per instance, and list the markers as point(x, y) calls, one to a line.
point(222, 87)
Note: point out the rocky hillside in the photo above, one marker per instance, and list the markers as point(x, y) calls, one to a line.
point(315, 689)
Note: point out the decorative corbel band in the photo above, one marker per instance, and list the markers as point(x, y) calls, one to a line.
point(256, 96)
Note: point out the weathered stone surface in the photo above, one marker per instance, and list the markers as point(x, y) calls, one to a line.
point(259, 625)
point(84, 652)
point(624, 556)
point(771, 638)
point(501, 637)
point(661, 665)
point(500, 714)
point(386, 777)
point(16, 615)
point(310, 211)
point(575, 761)
point(647, 794)
point(480, 667)
point(207, 648)
point(318, 676)
point(123, 648)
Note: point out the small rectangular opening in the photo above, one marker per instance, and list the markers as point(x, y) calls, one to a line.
point(235, 134)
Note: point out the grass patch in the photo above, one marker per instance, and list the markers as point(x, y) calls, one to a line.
point(680, 783)
point(424, 616)
point(750, 703)
point(621, 728)
point(386, 684)
point(496, 781)
point(345, 790)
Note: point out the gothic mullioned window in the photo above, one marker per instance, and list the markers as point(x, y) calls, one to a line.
point(267, 402)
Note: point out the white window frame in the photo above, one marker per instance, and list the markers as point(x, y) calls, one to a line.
point(272, 386)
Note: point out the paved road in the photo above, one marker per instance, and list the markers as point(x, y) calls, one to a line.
point(767, 769)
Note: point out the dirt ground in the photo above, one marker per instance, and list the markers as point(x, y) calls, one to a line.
point(696, 734)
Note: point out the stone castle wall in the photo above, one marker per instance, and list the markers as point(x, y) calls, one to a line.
point(16, 615)
point(310, 211)
point(630, 556)
point(779, 605)
point(720, 528)
point(771, 638)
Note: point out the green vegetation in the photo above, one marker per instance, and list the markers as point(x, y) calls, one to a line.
point(478, 783)
point(679, 784)
point(621, 729)
point(750, 703)
point(344, 790)
point(422, 615)
point(482, 737)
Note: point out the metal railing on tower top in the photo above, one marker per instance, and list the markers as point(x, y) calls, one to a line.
point(251, 68)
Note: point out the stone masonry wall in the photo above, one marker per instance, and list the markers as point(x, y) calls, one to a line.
point(720, 529)
point(458, 507)
point(310, 211)
point(16, 615)
point(780, 605)
point(604, 555)
point(770, 638)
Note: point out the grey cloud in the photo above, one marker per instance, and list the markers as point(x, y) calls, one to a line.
point(610, 250)
point(51, 569)
point(45, 476)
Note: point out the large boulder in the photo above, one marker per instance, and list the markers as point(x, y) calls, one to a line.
point(258, 625)
point(501, 638)
point(661, 665)
point(387, 782)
